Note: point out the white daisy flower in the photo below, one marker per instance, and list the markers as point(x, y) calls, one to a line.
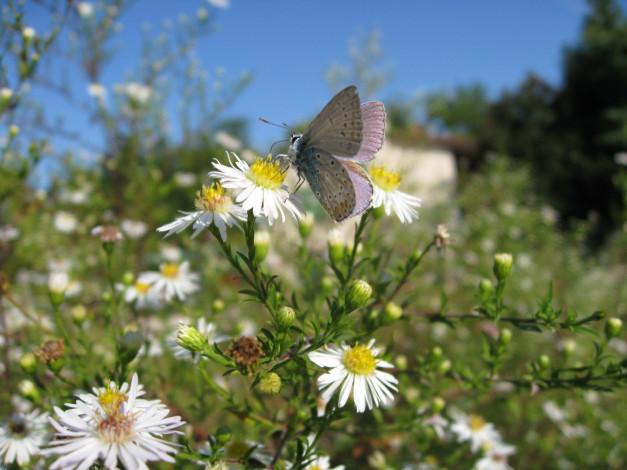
point(205, 328)
point(140, 294)
point(322, 462)
point(134, 229)
point(495, 457)
point(214, 206)
point(22, 436)
point(115, 427)
point(386, 194)
point(473, 428)
point(355, 369)
point(258, 187)
point(172, 279)
point(65, 222)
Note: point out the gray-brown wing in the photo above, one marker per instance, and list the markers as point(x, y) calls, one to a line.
point(331, 182)
point(337, 129)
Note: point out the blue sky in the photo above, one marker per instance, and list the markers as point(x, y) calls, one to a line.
point(429, 45)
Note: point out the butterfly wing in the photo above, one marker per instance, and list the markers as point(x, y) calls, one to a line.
point(331, 182)
point(373, 131)
point(338, 128)
point(361, 185)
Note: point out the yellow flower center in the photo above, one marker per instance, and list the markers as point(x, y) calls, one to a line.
point(266, 174)
point(476, 422)
point(111, 399)
point(359, 361)
point(213, 199)
point(386, 180)
point(142, 287)
point(170, 270)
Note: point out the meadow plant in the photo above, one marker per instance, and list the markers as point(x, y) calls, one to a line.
point(265, 336)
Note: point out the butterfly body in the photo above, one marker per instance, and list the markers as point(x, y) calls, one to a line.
point(323, 155)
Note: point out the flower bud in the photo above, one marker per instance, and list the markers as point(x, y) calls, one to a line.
point(336, 246)
point(444, 366)
point(270, 384)
point(28, 390)
point(613, 327)
point(285, 317)
point(436, 352)
point(190, 338)
point(28, 34)
point(217, 306)
point(13, 131)
point(326, 284)
point(305, 225)
point(5, 96)
point(437, 404)
point(569, 347)
point(505, 337)
point(485, 287)
point(262, 242)
point(401, 362)
point(391, 313)
point(28, 362)
point(128, 278)
point(223, 435)
point(544, 362)
point(502, 267)
point(130, 344)
point(79, 314)
point(358, 294)
point(57, 285)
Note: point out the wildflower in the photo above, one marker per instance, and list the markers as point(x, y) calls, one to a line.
point(58, 283)
point(64, 222)
point(322, 462)
point(473, 428)
point(442, 237)
point(259, 187)
point(22, 436)
point(214, 206)
point(190, 339)
point(495, 457)
point(51, 350)
point(134, 229)
point(386, 194)
point(173, 279)
point(354, 369)
point(28, 33)
point(140, 293)
point(112, 424)
point(107, 233)
point(85, 9)
point(96, 90)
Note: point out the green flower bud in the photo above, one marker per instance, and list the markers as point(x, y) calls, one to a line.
point(544, 362)
point(57, 285)
point(286, 317)
point(28, 362)
point(437, 404)
point(128, 278)
point(444, 366)
point(391, 313)
point(336, 246)
point(305, 225)
point(79, 314)
point(569, 348)
point(218, 305)
point(358, 294)
point(270, 384)
point(5, 96)
point(190, 338)
point(129, 345)
point(326, 284)
point(613, 327)
point(436, 352)
point(28, 34)
point(505, 337)
point(262, 243)
point(502, 267)
point(485, 287)
point(27, 389)
point(223, 435)
point(401, 362)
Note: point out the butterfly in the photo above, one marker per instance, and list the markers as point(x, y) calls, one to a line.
point(345, 132)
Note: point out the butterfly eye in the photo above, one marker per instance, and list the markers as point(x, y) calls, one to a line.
point(294, 138)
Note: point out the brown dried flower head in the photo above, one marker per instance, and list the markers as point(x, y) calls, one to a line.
point(51, 350)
